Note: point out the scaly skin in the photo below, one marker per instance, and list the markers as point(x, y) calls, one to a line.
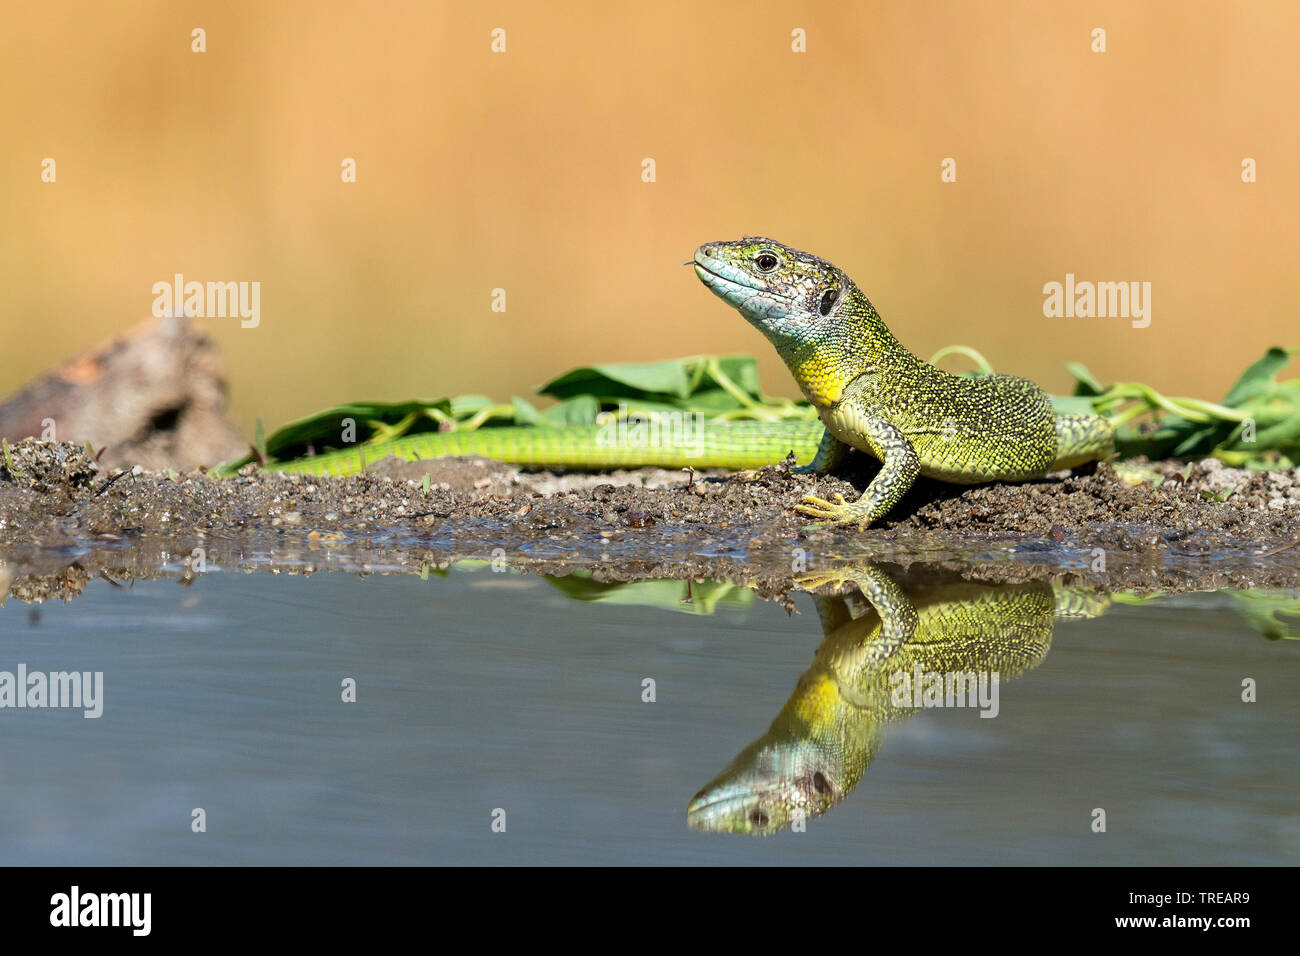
point(874, 395)
point(708, 445)
point(821, 743)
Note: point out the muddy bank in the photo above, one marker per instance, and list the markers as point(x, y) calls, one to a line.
point(1203, 527)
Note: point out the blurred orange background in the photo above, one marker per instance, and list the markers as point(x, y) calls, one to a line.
point(522, 170)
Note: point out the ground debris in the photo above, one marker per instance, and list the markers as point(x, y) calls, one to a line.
point(655, 522)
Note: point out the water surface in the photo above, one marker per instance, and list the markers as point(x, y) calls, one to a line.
point(480, 691)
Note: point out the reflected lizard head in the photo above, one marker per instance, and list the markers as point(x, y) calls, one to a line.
point(764, 789)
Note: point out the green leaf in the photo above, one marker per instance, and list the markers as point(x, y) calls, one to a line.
point(1072, 405)
point(711, 400)
point(525, 412)
point(743, 370)
point(1266, 611)
point(678, 383)
point(1202, 440)
point(624, 380)
point(463, 406)
point(645, 406)
point(1085, 382)
point(1256, 378)
point(579, 410)
point(685, 597)
point(325, 428)
point(9, 460)
point(1282, 434)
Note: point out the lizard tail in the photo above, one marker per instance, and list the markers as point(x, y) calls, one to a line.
point(1082, 438)
point(1079, 603)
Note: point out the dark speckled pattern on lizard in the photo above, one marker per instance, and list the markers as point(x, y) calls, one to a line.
point(874, 395)
point(819, 746)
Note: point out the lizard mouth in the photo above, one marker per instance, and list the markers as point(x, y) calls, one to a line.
point(701, 270)
point(737, 280)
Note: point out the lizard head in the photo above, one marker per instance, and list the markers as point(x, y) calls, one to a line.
point(821, 324)
point(765, 787)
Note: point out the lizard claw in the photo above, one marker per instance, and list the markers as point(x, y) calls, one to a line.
point(813, 503)
point(814, 512)
point(815, 507)
point(835, 578)
point(838, 512)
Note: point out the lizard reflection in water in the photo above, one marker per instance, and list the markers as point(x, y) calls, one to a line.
point(819, 746)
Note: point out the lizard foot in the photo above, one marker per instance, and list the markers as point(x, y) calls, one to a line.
point(838, 512)
point(834, 578)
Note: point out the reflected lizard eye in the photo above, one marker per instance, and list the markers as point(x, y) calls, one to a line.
point(829, 298)
point(766, 262)
point(758, 818)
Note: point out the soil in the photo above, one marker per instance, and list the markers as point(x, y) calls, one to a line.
point(64, 520)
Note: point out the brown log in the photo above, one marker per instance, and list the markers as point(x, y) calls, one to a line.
point(154, 397)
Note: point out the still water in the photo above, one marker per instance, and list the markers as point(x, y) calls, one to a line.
point(583, 720)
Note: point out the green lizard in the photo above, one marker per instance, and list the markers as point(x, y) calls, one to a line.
point(874, 395)
point(918, 635)
point(869, 391)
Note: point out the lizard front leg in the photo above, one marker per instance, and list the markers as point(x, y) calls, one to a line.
point(899, 468)
point(830, 452)
point(898, 616)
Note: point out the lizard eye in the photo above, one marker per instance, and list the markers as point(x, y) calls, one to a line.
point(829, 298)
point(766, 262)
